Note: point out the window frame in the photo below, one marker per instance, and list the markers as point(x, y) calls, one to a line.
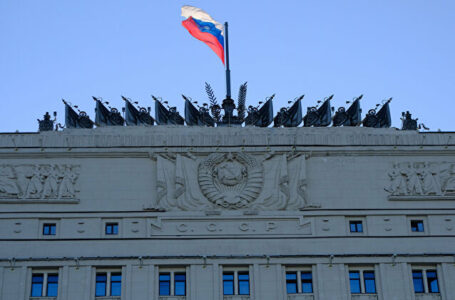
point(106, 222)
point(45, 284)
point(172, 281)
point(299, 271)
point(109, 224)
point(44, 222)
point(236, 287)
point(425, 270)
point(109, 273)
point(360, 219)
point(423, 219)
point(356, 223)
point(361, 270)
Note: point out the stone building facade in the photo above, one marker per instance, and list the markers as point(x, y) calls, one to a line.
point(173, 212)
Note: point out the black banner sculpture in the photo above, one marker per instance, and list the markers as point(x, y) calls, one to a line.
point(164, 116)
point(75, 120)
point(197, 117)
point(105, 117)
point(289, 117)
point(212, 114)
point(351, 117)
point(319, 117)
point(262, 117)
point(380, 119)
point(135, 117)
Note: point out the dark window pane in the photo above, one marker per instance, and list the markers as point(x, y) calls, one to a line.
point(180, 288)
point(370, 286)
point(116, 277)
point(52, 289)
point(417, 279)
point(306, 275)
point(111, 228)
point(53, 229)
point(244, 287)
point(307, 282)
point(179, 284)
point(37, 278)
point(244, 283)
point(165, 284)
point(37, 285)
point(52, 285)
point(101, 277)
point(291, 282)
point(432, 280)
point(359, 227)
point(116, 284)
point(354, 275)
point(228, 288)
point(228, 283)
point(291, 287)
point(354, 281)
point(165, 288)
point(116, 288)
point(356, 226)
point(100, 286)
point(291, 276)
point(417, 226)
point(307, 287)
point(228, 276)
point(352, 226)
point(180, 277)
point(100, 289)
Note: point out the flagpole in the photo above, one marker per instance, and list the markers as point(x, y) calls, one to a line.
point(228, 71)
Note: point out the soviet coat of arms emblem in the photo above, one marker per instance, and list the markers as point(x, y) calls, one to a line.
point(230, 180)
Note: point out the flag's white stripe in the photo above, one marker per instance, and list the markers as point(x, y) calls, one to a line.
point(197, 13)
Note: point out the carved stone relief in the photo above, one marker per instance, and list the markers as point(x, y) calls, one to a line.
point(46, 181)
point(231, 180)
point(422, 179)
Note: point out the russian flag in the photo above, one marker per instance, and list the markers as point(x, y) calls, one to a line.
point(203, 27)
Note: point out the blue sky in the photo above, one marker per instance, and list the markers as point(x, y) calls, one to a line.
point(53, 49)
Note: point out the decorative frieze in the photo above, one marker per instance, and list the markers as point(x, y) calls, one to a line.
point(38, 183)
point(422, 181)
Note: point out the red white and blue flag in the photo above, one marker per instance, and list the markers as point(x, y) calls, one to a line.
point(203, 27)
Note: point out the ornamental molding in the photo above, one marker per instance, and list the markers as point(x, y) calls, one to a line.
point(40, 183)
point(230, 180)
point(421, 181)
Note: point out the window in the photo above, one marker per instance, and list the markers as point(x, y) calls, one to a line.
point(236, 282)
point(108, 283)
point(299, 282)
point(425, 280)
point(356, 226)
point(172, 282)
point(111, 228)
point(49, 228)
point(362, 281)
point(417, 226)
point(44, 284)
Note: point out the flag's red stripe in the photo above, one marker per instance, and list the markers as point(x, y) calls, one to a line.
point(205, 37)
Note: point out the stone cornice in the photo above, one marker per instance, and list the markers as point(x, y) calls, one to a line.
point(180, 136)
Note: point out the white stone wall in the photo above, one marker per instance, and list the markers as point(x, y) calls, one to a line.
point(293, 191)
